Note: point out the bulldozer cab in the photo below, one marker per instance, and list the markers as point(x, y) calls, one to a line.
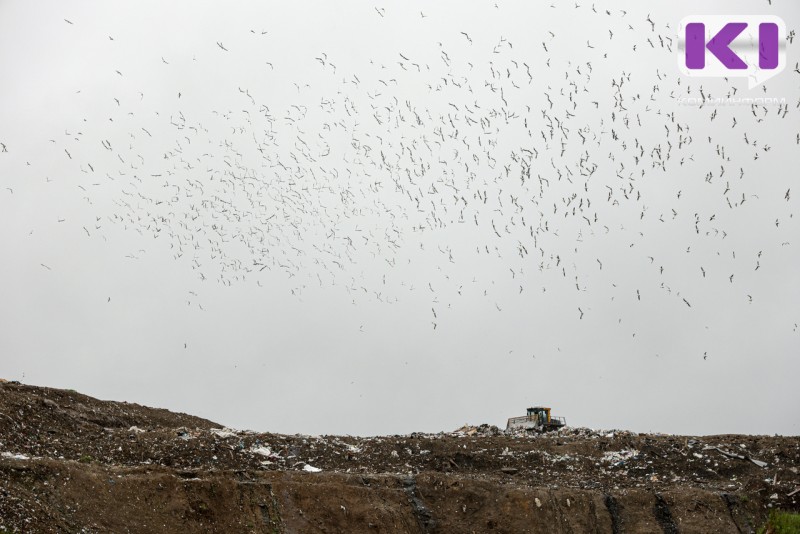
point(539, 413)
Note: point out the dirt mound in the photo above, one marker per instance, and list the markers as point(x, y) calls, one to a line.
point(71, 463)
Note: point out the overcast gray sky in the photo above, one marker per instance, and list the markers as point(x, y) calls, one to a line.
point(323, 217)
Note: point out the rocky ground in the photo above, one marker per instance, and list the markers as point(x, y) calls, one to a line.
point(71, 463)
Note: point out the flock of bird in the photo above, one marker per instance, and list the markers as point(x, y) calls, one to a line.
point(533, 170)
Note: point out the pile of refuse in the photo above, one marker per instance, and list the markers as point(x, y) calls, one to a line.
point(58, 436)
point(40, 423)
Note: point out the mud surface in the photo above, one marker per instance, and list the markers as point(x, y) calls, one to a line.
point(71, 463)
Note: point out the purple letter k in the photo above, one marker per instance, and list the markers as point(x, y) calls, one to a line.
point(718, 45)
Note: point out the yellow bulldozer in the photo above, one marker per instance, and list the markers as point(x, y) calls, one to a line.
point(537, 420)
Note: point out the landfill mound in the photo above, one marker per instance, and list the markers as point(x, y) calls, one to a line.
point(71, 463)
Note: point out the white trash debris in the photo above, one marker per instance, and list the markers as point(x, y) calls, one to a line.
point(618, 457)
point(263, 451)
point(13, 456)
point(224, 432)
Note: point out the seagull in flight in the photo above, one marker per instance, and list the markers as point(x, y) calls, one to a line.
point(219, 44)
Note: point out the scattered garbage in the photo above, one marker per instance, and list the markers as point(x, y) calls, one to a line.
point(729, 454)
point(14, 456)
point(263, 451)
point(616, 458)
point(224, 432)
point(483, 430)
